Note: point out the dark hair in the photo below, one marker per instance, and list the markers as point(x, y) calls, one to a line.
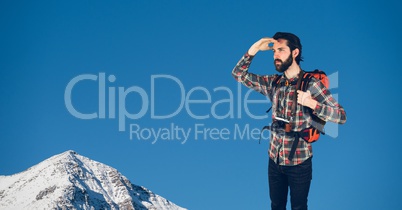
point(293, 42)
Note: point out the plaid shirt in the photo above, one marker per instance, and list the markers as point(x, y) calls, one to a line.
point(327, 109)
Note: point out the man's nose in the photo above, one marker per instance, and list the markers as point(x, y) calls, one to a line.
point(276, 55)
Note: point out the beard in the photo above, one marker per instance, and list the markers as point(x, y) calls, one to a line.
point(283, 65)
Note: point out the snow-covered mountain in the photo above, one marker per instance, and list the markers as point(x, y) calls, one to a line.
point(72, 181)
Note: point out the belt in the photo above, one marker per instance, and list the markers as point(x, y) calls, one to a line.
point(278, 124)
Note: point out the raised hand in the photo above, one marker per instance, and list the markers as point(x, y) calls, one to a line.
point(305, 99)
point(261, 45)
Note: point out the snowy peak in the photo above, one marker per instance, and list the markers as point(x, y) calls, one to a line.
point(72, 181)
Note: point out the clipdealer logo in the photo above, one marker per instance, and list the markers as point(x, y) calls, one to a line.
point(109, 94)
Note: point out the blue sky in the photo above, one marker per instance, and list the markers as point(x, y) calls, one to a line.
point(183, 51)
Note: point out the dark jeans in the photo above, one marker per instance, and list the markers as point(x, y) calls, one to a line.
point(297, 178)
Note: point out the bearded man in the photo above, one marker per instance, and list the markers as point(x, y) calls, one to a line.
point(285, 170)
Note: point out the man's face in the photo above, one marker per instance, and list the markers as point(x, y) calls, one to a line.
point(283, 58)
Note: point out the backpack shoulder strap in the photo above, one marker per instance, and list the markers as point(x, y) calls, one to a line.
point(306, 80)
point(296, 135)
point(298, 85)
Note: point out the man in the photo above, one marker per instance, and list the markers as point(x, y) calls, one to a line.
point(284, 172)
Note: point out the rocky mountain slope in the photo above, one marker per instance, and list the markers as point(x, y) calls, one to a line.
point(72, 181)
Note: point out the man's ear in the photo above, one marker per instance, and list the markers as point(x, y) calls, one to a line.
point(295, 52)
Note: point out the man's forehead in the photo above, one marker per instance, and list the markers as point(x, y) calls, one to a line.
point(280, 43)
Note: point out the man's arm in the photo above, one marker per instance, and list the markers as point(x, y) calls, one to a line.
point(250, 80)
point(323, 104)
